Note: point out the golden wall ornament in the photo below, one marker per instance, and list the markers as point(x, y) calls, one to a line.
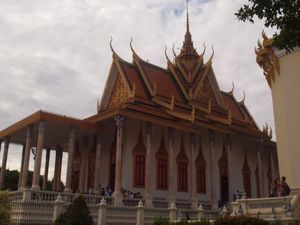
point(266, 58)
point(120, 93)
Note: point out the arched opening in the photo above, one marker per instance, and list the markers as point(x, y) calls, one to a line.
point(162, 167)
point(182, 170)
point(200, 164)
point(247, 178)
point(223, 174)
point(139, 162)
point(112, 164)
point(257, 182)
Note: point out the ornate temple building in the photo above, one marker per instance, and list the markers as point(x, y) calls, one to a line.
point(170, 134)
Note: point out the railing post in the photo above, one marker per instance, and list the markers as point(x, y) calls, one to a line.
point(26, 195)
point(224, 212)
point(102, 212)
point(173, 213)
point(58, 207)
point(140, 214)
point(235, 208)
point(201, 212)
point(244, 205)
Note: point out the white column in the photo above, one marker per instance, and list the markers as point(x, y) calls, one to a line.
point(118, 174)
point(148, 174)
point(213, 175)
point(171, 183)
point(97, 165)
point(82, 172)
point(71, 151)
point(45, 180)
point(228, 147)
point(4, 161)
point(60, 154)
point(21, 167)
point(194, 201)
point(26, 158)
point(38, 157)
point(57, 170)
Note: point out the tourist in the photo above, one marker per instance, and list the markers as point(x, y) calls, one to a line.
point(284, 187)
point(273, 189)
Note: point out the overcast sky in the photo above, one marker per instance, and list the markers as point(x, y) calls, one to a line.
point(55, 55)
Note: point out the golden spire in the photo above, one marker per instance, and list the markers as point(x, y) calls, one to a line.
point(187, 17)
point(188, 48)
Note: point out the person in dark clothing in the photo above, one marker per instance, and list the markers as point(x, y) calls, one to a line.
point(274, 189)
point(284, 187)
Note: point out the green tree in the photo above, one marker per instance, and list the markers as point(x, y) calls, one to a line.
point(5, 208)
point(76, 214)
point(281, 14)
point(11, 179)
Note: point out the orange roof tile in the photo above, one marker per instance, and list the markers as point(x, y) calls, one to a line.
point(162, 79)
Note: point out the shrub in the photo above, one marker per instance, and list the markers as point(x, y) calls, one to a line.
point(240, 220)
point(76, 214)
point(165, 221)
point(5, 208)
point(161, 221)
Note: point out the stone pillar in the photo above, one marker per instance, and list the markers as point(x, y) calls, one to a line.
point(173, 213)
point(228, 148)
point(201, 213)
point(148, 174)
point(58, 207)
point(45, 180)
point(172, 185)
point(4, 161)
point(38, 157)
point(58, 177)
point(194, 201)
point(26, 158)
point(54, 185)
point(102, 212)
point(97, 165)
point(57, 170)
point(213, 175)
point(140, 214)
point(260, 177)
point(71, 151)
point(82, 171)
point(118, 175)
point(21, 168)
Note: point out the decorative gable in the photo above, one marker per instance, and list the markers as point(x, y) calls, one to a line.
point(205, 92)
point(120, 93)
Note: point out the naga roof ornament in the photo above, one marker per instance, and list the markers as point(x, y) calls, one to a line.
point(266, 58)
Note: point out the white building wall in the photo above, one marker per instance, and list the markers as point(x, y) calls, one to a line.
point(240, 146)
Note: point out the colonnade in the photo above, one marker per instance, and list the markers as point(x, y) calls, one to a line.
point(213, 172)
point(25, 160)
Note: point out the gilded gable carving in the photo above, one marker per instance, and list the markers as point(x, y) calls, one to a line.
point(120, 93)
point(206, 92)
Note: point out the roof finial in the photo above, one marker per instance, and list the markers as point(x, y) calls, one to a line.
point(187, 17)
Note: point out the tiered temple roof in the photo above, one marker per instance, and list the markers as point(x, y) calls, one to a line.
point(185, 95)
